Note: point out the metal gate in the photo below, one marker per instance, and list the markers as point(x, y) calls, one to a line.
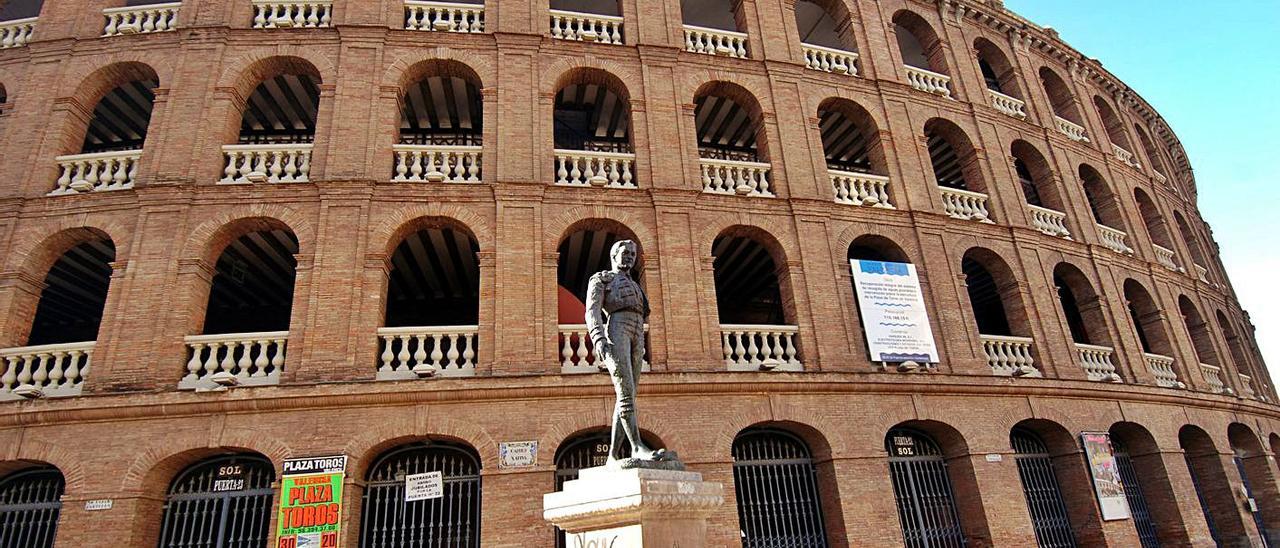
point(922, 490)
point(585, 451)
point(224, 502)
point(1204, 504)
point(1248, 492)
point(1138, 508)
point(1040, 486)
point(29, 505)
point(777, 491)
point(452, 520)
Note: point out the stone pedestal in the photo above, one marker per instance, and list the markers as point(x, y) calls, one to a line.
point(634, 508)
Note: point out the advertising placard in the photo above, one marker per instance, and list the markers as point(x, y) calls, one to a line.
point(311, 502)
point(517, 454)
point(424, 486)
point(1106, 475)
point(894, 319)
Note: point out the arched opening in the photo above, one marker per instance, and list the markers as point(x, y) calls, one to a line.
point(1039, 189)
point(433, 302)
point(1080, 305)
point(998, 73)
point(918, 43)
point(1201, 337)
point(1155, 226)
point(30, 501)
point(1238, 357)
point(1258, 484)
point(1153, 154)
point(826, 24)
point(277, 123)
point(75, 294)
point(597, 7)
point(957, 171)
point(220, 502)
point(1115, 130)
point(1149, 323)
point(871, 247)
point(922, 489)
point(122, 95)
point(1060, 97)
point(731, 141)
point(1103, 203)
point(587, 449)
point(441, 130)
point(1193, 243)
point(450, 520)
point(776, 485)
point(583, 252)
point(711, 14)
point(1213, 490)
point(757, 322)
point(1038, 471)
point(1152, 503)
point(850, 139)
point(996, 302)
point(592, 129)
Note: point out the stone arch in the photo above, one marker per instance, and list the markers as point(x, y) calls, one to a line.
point(244, 73)
point(838, 17)
point(1004, 286)
point(35, 259)
point(1061, 99)
point(1112, 123)
point(556, 229)
point(365, 448)
point(592, 70)
point(857, 115)
point(1087, 323)
point(1198, 329)
point(1147, 318)
point(120, 69)
point(414, 224)
point(407, 67)
point(922, 32)
point(1003, 74)
point(402, 221)
point(871, 245)
point(714, 227)
point(32, 451)
point(941, 131)
point(1044, 189)
point(209, 238)
point(155, 465)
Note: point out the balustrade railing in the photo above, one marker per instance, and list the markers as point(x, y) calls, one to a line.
point(587, 168)
point(760, 347)
point(1246, 387)
point(1071, 129)
point(586, 27)
point(1009, 356)
point(250, 359)
point(51, 370)
point(1010, 106)
point(928, 81)
point(273, 14)
point(861, 189)
point(416, 352)
point(96, 172)
point(1161, 367)
point(16, 33)
point(443, 16)
point(578, 355)
point(141, 19)
point(1202, 273)
point(1125, 156)
point(437, 163)
point(735, 177)
point(1165, 257)
point(1115, 240)
point(1160, 178)
point(1096, 362)
point(830, 59)
point(287, 163)
point(1213, 377)
point(1049, 221)
point(965, 204)
point(715, 41)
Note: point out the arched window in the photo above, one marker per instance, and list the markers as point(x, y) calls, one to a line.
point(121, 117)
point(1238, 357)
point(1198, 329)
point(775, 482)
point(441, 124)
point(433, 303)
point(451, 520)
point(956, 167)
point(1155, 226)
point(122, 95)
point(922, 490)
point(1138, 508)
point(922, 54)
point(824, 25)
point(1149, 323)
point(1152, 503)
point(1153, 154)
point(1209, 482)
point(1193, 243)
point(30, 501)
point(756, 319)
point(74, 295)
point(222, 502)
point(1256, 479)
point(871, 247)
point(587, 450)
point(1039, 189)
point(1064, 105)
point(855, 154)
point(1040, 486)
point(998, 73)
point(1115, 130)
point(277, 124)
point(728, 124)
point(592, 127)
point(998, 311)
point(1103, 203)
point(711, 14)
point(582, 253)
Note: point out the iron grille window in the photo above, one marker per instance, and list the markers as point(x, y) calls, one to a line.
point(1204, 504)
point(451, 520)
point(224, 502)
point(586, 451)
point(777, 490)
point(1248, 492)
point(1040, 486)
point(29, 505)
point(1137, 500)
point(922, 490)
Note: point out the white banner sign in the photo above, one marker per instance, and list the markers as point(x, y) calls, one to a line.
point(429, 485)
point(1107, 484)
point(894, 319)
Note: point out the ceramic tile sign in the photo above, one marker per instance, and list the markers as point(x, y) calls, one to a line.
point(1106, 475)
point(424, 486)
point(517, 454)
point(311, 502)
point(894, 318)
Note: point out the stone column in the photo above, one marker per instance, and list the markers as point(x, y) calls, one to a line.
point(634, 508)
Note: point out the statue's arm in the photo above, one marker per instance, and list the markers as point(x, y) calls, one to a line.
point(595, 310)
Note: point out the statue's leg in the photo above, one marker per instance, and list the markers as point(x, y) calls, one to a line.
point(623, 400)
point(630, 328)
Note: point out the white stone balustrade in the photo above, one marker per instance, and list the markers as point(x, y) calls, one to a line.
point(760, 347)
point(1010, 106)
point(715, 41)
point(1009, 356)
point(1161, 367)
point(283, 14)
point(735, 177)
point(96, 172)
point(577, 354)
point(287, 163)
point(1246, 387)
point(1165, 257)
point(443, 16)
point(417, 352)
point(830, 59)
point(1096, 362)
point(437, 163)
point(586, 27)
point(1213, 377)
point(965, 204)
point(928, 81)
point(1202, 273)
point(141, 19)
point(1125, 156)
point(1072, 130)
point(861, 189)
point(249, 359)
point(1115, 240)
point(16, 33)
point(1049, 221)
point(50, 370)
point(1159, 177)
point(587, 168)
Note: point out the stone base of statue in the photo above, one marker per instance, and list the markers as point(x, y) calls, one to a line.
point(613, 507)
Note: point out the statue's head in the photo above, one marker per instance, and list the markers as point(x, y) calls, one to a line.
point(624, 254)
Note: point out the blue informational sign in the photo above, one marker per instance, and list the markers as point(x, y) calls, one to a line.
point(894, 318)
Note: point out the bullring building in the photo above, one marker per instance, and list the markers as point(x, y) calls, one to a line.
point(239, 232)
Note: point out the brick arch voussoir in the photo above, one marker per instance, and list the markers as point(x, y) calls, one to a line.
point(237, 70)
point(837, 95)
point(900, 237)
point(555, 229)
point(394, 224)
point(482, 65)
point(98, 80)
point(573, 424)
point(182, 451)
point(366, 447)
point(722, 446)
point(202, 239)
point(717, 224)
point(35, 255)
point(67, 462)
point(478, 438)
point(756, 87)
point(627, 76)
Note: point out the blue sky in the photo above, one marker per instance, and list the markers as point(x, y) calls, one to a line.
point(1212, 70)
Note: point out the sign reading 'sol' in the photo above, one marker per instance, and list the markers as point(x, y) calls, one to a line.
point(894, 319)
point(311, 502)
